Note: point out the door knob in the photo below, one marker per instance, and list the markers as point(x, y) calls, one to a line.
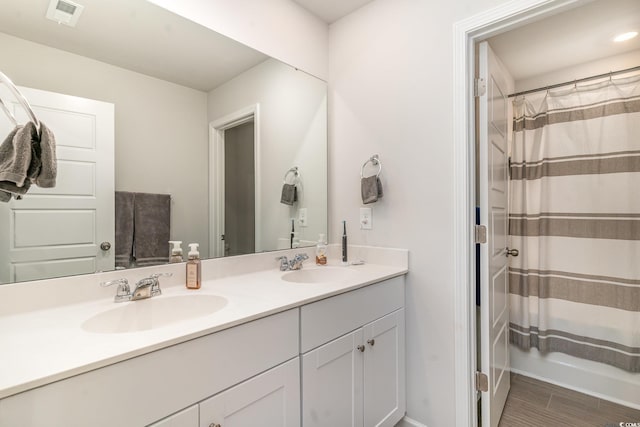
point(105, 246)
point(512, 252)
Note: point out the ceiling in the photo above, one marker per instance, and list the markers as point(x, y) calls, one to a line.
point(140, 36)
point(136, 35)
point(574, 37)
point(331, 10)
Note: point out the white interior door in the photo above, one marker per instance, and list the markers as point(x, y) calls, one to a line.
point(58, 231)
point(493, 125)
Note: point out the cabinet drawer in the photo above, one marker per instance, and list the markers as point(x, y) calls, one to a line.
point(144, 389)
point(322, 321)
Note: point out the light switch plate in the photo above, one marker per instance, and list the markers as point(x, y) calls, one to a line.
point(366, 221)
point(302, 217)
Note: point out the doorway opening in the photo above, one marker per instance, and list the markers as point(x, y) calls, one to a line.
point(468, 33)
point(239, 190)
point(234, 184)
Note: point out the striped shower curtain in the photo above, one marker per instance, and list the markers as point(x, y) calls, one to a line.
point(575, 218)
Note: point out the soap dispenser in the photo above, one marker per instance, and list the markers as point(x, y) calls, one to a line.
point(194, 271)
point(176, 251)
point(321, 251)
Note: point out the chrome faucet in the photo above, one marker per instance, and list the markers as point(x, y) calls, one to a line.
point(148, 287)
point(145, 288)
point(294, 264)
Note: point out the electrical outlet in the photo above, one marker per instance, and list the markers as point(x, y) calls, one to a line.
point(302, 217)
point(366, 221)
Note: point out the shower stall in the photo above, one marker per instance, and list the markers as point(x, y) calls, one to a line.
point(574, 215)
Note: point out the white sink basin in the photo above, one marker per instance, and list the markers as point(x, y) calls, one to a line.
point(152, 313)
point(319, 275)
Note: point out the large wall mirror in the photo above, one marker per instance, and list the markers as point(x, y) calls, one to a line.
point(145, 102)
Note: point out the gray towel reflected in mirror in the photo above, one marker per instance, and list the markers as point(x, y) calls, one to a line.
point(289, 194)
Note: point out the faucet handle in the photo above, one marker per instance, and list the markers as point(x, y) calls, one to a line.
point(121, 281)
point(155, 288)
point(123, 292)
point(284, 263)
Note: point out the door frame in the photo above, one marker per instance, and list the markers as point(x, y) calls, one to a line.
point(216, 174)
point(466, 34)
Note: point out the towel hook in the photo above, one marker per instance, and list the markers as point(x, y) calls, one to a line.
point(296, 174)
point(375, 161)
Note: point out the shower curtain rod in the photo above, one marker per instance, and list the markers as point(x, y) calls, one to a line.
point(573, 82)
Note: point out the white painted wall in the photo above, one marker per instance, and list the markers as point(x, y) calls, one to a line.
point(390, 92)
point(279, 28)
point(293, 131)
point(161, 130)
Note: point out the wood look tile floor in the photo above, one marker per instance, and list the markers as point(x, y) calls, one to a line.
point(534, 403)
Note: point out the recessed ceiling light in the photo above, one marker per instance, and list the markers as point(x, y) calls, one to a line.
point(625, 36)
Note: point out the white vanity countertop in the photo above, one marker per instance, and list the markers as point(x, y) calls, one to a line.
point(47, 345)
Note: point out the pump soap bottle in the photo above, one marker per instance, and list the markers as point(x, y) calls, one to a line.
point(176, 251)
point(321, 251)
point(194, 271)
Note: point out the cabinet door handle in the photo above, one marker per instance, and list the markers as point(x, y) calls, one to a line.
point(361, 348)
point(214, 425)
point(371, 342)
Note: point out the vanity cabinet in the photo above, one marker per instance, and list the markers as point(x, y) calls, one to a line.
point(335, 362)
point(270, 399)
point(145, 389)
point(357, 379)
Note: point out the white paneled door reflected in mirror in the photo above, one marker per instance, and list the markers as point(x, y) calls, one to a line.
point(144, 102)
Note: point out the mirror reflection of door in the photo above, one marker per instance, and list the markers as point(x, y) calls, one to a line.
point(239, 190)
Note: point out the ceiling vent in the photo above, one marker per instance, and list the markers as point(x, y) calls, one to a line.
point(64, 12)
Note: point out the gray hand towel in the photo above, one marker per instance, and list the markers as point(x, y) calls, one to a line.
point(289, 194)
point(46, 177)
point(124, 204)
point(371, 189)
point(16, 152)
point(19, 161)
point(27, 158)
point(152, 219)
point(4, 196)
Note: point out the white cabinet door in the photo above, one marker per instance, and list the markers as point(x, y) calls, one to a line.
point(269, 399)
point(332, 383)
point(384, 370)
point(185, 418)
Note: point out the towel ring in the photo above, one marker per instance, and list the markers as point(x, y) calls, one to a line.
point(8, 113)
point(21, 99)
point(296, 174)
point(375, 161)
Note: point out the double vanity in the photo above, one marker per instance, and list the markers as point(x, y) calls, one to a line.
point(319, 346)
